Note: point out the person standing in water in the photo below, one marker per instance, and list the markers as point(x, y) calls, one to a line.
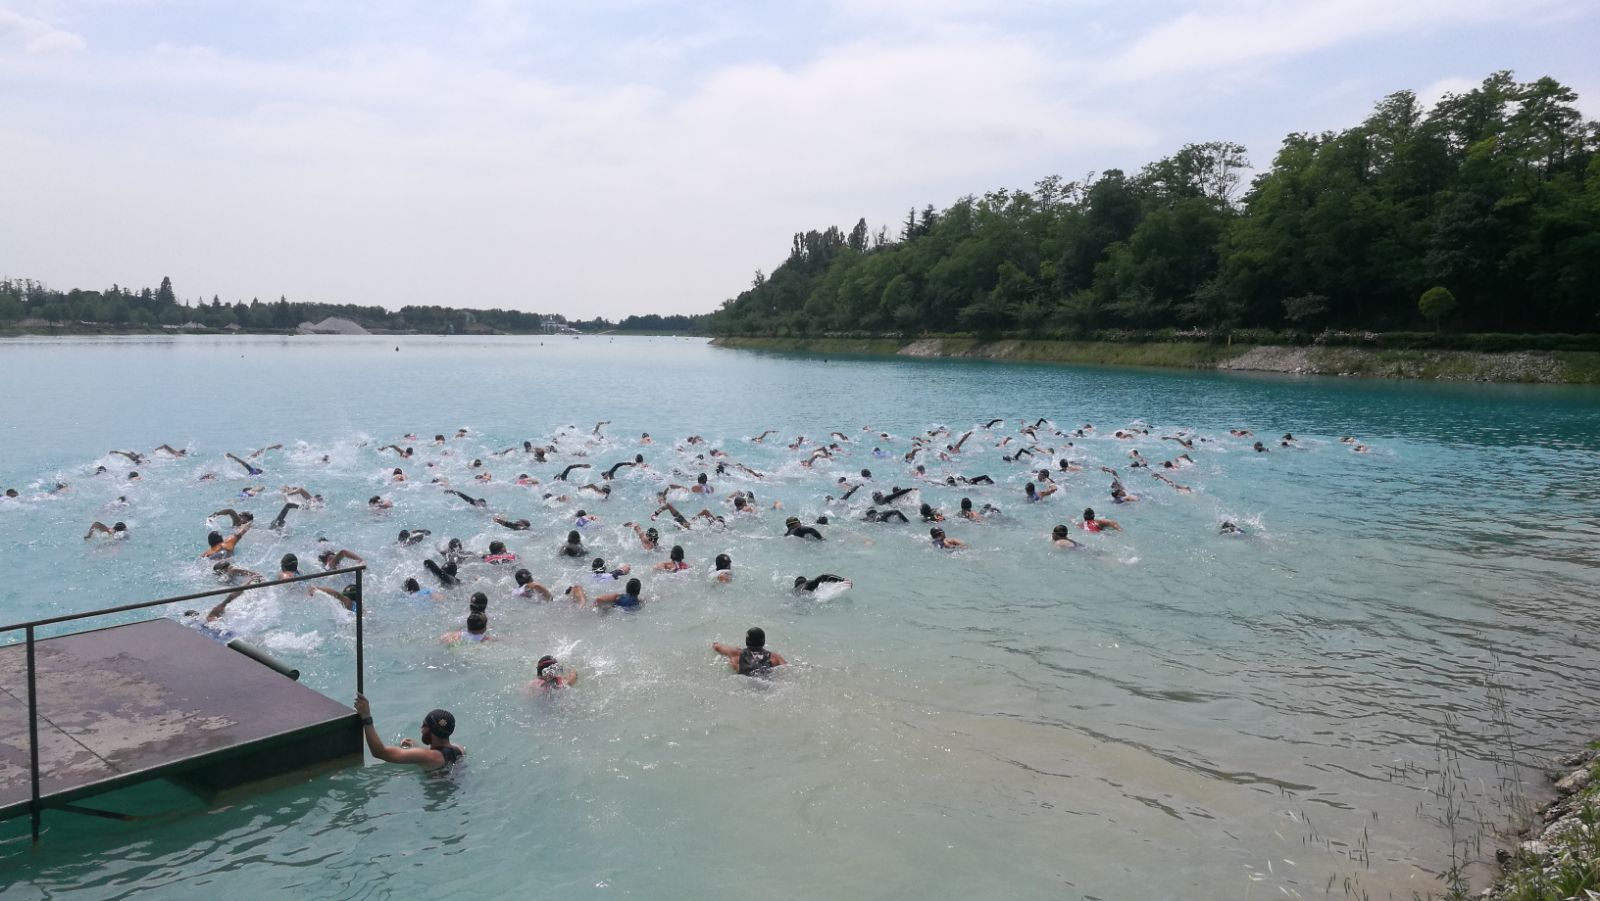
point(435, 749)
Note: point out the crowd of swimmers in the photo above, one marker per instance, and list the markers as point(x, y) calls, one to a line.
point(1039, 450)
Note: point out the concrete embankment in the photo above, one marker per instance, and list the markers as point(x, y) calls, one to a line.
point(1444, 365)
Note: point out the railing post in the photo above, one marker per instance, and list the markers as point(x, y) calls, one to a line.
point(361, 606)
point(34, 807)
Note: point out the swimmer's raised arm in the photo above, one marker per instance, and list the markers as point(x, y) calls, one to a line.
point(603, 422)
point(762, 437)
point(569, 469)
point(612, 472)
point(963, 440)
point(169, 449)
point(234, 516)
point(994, 422)
point(131, 455)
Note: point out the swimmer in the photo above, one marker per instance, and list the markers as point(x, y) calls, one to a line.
point(248, 467)
point(526, 587)
point(584, 520)
point(477, 630)
point(674, 562)
point(312, 500)
point(993, 422)
point(763, 436)
point(1034, 495)
point(116, 530)
point(445, 574)
point(526, 480)
point(1241, 433)
point(551, 674)
point(793, 529)
point(282, 517)
point(801, 583)
point(753, 659)
point(234, 575)
point(288, 566)
point(1091, 524)
point(134, 477)
point(647, 538)
point(929, 514)
point(599, 573)
point(413, 536)
point(569, 469)
point(937, 537)
point(402, 451)
point(724, 569)
point(379, 502)
point(454, 552)
point(1228, 528)
point(498, 554)
point(875, 515)
point(436, 750)
point(221, 548)
point(603, 422)
point(515, 525)
point(474, 501)
point(712, 518)
point(137, 458)
point(644, 438)
point(612, 472)
point(235, 518)
point(171, 451)
point(1060, 538)
point(968, 480)
point(270, 447)
point(574, 546)
point(1119, 494)
point(331, 559)
point(603, 490)
point(413, 589)
point(895, 494)
point(677, 517)
point(968, 513)
point(349, 597)
point(1260, 448)
point(1182, 489)
point(397, 476)
point(627, 599)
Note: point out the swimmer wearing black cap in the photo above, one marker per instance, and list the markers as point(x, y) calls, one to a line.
point(435, 749)
point(574, 546)
point(875, 515)
point(1060, 538)
point(115, 530)
point(413, 536)
point(477, 629)
point(599, 573)
point(753, 659)
point(793, 529)
point(526, 587)
point(674, 562)
point(627, 599)
point(724, 569)
point(937, 537)
point(222, 548)
point(648, 538)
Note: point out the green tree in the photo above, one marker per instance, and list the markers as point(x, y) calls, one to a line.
point(1437, 303)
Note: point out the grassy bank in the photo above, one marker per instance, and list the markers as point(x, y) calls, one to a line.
point(1554, 367)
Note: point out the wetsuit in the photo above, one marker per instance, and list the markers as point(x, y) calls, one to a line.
point(888, 516)
point(445, 577)
point(474, 501)
point(450, 753)
point(563, 476)
point(804, 532)
point(628, 601)
point(879, 497)
point(825, 578)
point(755, 662)
point(612, 472)
point(574, 550)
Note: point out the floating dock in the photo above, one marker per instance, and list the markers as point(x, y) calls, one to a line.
point(156, 700)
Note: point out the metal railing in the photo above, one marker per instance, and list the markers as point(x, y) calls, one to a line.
point(36, 805)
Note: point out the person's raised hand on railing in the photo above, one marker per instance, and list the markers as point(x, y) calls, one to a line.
point(437, 751)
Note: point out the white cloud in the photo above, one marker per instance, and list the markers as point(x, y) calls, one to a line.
point(35, 35)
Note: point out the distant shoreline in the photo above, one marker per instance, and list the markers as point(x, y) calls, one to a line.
point(79, 331)
point(1524, 367)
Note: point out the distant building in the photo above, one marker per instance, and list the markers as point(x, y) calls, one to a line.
point(333, 325)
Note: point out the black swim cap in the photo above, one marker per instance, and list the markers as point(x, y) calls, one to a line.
point(404, 534)
point(582, 513)
point(724, 561)
point(440, 722)
point(822, 520)
point(218, 567)
point(373, 500)
point(1058, 532)
point(477, 622)
point(545, 663)
point(791, 522)
point(119, 527)
point(651, 533)
point(598, 564)
point(454, 544)
point(523, 577)
point(573, 538)
point(215, 538)
point(799, 581)
point(677, 553)
point(497, 547)
point(866, 473)
point(936, 532)
point(1088, 513)
point(966, 503)
point(480, 601)
point(352, 593)
point(756, 637)
point(635, 586)
point(289, 563)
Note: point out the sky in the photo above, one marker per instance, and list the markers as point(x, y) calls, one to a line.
point(617, 157)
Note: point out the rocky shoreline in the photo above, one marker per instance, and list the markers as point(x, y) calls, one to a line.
point(1560, 856)
point(1528, 367)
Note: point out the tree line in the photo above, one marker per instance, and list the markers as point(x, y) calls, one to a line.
point(121, 306)
point(1492, 195)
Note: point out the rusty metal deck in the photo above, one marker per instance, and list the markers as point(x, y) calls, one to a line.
point(157, 699)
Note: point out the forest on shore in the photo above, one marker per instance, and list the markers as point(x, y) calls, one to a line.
point(122, 308)
point(1488, 203)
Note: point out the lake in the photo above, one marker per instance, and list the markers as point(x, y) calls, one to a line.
point(1166, 713)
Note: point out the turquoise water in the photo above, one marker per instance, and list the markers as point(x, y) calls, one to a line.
point(1168, 713)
